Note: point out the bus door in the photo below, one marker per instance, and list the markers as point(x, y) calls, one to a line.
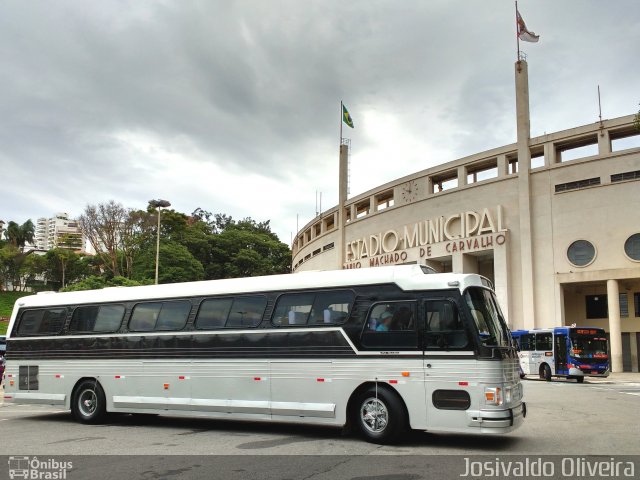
point(560, 354)
point(526, 353)
point(448, 360)
point(543, 353)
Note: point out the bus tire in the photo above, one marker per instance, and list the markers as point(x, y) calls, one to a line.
point(580, 379)
point(380, 416)
point(88, 404)
point(545, 372)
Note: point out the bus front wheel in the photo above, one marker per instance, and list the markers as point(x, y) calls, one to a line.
point(545, 372)
point(380, 416)
point(88, 403)
point(580, 379)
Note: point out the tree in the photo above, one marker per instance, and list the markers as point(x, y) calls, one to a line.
point(636, 120)
point(177, 264)
point(65, 266)
point(34, 266)
point(138, 229)
point(10, 261)
point(104, 225)
point(95, 282)
point(247, 249)
point(19, 235)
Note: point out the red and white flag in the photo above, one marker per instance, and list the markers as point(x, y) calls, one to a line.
point(524, 34)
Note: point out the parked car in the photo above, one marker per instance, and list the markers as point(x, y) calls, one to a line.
point(3, 350)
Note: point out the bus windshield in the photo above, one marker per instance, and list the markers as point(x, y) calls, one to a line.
point(588, 347)
point(487, 316)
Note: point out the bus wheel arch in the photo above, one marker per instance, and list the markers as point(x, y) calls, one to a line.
point(369, 398)
point(88, 401)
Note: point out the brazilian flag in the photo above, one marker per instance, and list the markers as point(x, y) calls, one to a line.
point(346, 117)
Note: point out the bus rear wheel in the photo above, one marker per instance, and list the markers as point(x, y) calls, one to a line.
point(88, 403)
point(380, 416)
point(545, 372)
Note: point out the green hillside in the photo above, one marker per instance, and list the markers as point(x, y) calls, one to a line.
point(7, 299)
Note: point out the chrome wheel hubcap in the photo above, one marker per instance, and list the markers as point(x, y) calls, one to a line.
point(374, 415)
point(88, 402)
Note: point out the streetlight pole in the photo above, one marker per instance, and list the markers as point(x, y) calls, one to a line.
point(158, 204)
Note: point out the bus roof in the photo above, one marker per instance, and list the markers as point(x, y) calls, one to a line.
point(407, 277)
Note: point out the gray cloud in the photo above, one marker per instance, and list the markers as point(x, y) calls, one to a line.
point(189, 100)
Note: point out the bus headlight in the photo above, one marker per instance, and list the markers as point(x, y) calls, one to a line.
point(493, 395)
point(507, 395)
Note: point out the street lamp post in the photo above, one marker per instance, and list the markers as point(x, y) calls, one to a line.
point(158, 204)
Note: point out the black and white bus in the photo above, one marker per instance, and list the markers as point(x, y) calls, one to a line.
point(382, 349)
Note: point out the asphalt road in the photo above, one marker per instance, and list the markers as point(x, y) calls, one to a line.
point(564, 418)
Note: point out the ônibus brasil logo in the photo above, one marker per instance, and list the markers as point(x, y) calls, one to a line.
point(35, 469)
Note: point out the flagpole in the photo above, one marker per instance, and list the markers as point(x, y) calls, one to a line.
point(341, 115)
point(517, 36)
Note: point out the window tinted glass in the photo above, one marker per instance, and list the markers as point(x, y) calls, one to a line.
point(293, 309)
point(173, 315)
point(104, 318)
point(632, 247)
point(331, 307)
point(391, 325)
point(443, 327)
point(313, 308)
point(543, 341)
point(395, 316)
point(84, 318)
point(30, 322)
point(247, 311)
point(213, 313)
point(527, 342)
point(487, 316)
point(581, 253)
point(144, 317)
point(42, 322)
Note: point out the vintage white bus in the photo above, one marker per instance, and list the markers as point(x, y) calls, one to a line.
point(380, 349)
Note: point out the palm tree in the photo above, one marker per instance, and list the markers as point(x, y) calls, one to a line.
point(19, 235)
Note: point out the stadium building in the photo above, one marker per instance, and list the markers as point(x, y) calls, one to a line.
point(553, 221)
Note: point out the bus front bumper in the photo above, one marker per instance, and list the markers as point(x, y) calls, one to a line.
point(576, 372)
point(500, 420)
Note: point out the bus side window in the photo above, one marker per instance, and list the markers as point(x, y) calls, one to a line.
point(42, 322)
point(331, 307)
point(544, 341)
point(443, 326)
point(144, 317)
point(173, 315)
point(391, 325)
point(293, 309)
point(247, 311)
point(527, 342)
point(213, 313)
point(93, 318)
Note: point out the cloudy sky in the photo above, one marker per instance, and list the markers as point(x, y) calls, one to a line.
point(233, 106)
